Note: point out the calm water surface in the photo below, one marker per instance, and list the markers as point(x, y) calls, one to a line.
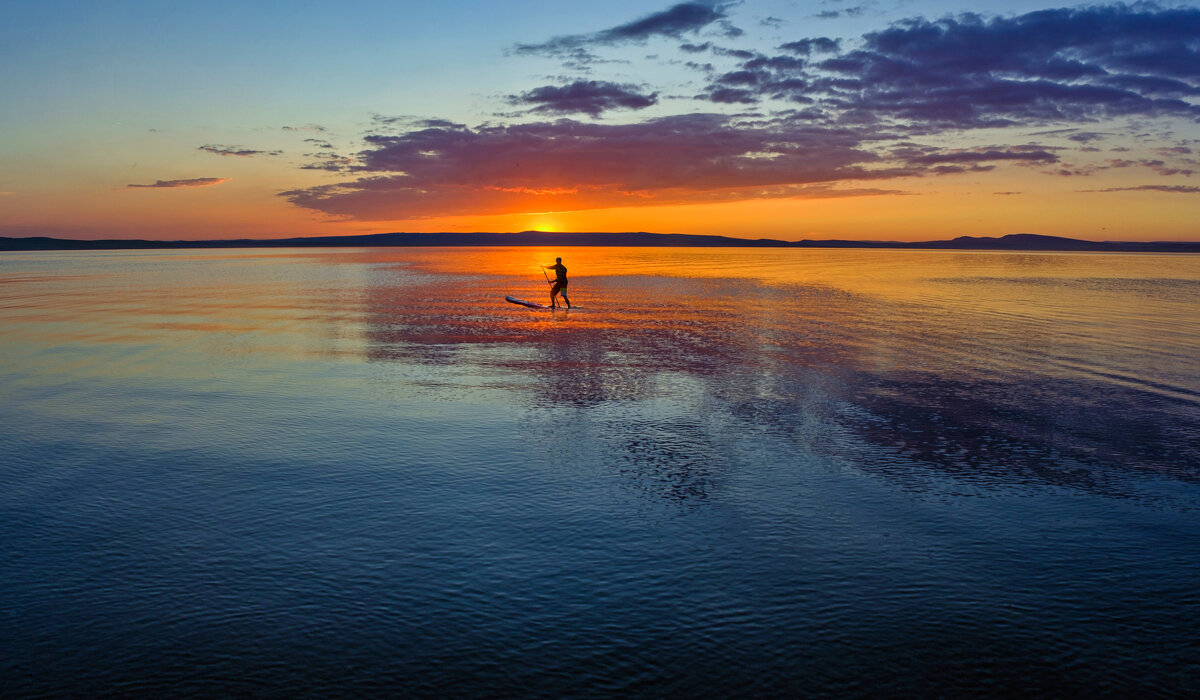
point(730, 472)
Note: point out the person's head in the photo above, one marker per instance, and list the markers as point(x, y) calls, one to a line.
point(558, 260)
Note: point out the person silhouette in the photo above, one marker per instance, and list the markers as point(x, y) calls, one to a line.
point(560, 283)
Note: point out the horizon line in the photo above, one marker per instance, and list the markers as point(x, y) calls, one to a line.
point(1011, 242)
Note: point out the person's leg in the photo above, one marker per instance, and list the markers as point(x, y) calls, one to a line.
point(566, 298)
point(553, 296)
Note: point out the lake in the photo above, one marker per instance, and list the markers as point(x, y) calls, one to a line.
point(728, 472)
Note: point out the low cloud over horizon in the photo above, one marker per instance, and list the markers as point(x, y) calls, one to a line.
point(1172, 189)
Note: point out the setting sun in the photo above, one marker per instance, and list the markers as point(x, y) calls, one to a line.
point(542, 222)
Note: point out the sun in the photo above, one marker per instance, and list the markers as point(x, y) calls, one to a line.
point(541, 222)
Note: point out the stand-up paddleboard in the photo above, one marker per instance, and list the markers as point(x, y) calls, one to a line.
point(530, 304)
point(535, 305)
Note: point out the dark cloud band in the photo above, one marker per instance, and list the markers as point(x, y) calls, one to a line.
point(970, 72)
point(591, 97)
point(676, 21)
point(567, 164)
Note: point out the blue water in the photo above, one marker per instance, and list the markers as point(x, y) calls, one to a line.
point(730, 472)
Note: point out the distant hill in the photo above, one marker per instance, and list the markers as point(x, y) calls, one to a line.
point(1017, 241)
point(1020, 241)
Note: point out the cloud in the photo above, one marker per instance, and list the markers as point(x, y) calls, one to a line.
point(735, 53)
point(591, 97)
point(836, 14)
point(1173, 189)
point(1030, 154)
point(1040, 68)
point(1162, 168)
point(725, 95)
point(1158, 166)
point(828, 119)
point(193, 182)
point(237, 151)
point(674, 22)
point(316, 128)
point(807, 47)
point(566, 164)
point(389, 124)
point(329, 162)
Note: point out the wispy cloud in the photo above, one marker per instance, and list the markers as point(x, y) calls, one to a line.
point(193, 182)
point(329, 162)
point(236, 151)
point(1158, 166)
point(1171, 189)
point(856, 11)
point(1029, 154)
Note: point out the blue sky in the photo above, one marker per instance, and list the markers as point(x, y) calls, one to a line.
point(303, 117)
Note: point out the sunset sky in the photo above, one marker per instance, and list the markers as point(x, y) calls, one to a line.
point(865, 119)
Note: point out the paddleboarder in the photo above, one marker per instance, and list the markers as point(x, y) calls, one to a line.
point(560, 283)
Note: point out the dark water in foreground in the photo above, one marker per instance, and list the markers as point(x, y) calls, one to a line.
point(731, 472)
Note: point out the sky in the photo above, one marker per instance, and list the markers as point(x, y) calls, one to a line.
point(791, 119)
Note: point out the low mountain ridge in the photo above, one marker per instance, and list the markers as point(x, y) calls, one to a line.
point(1012, 242)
